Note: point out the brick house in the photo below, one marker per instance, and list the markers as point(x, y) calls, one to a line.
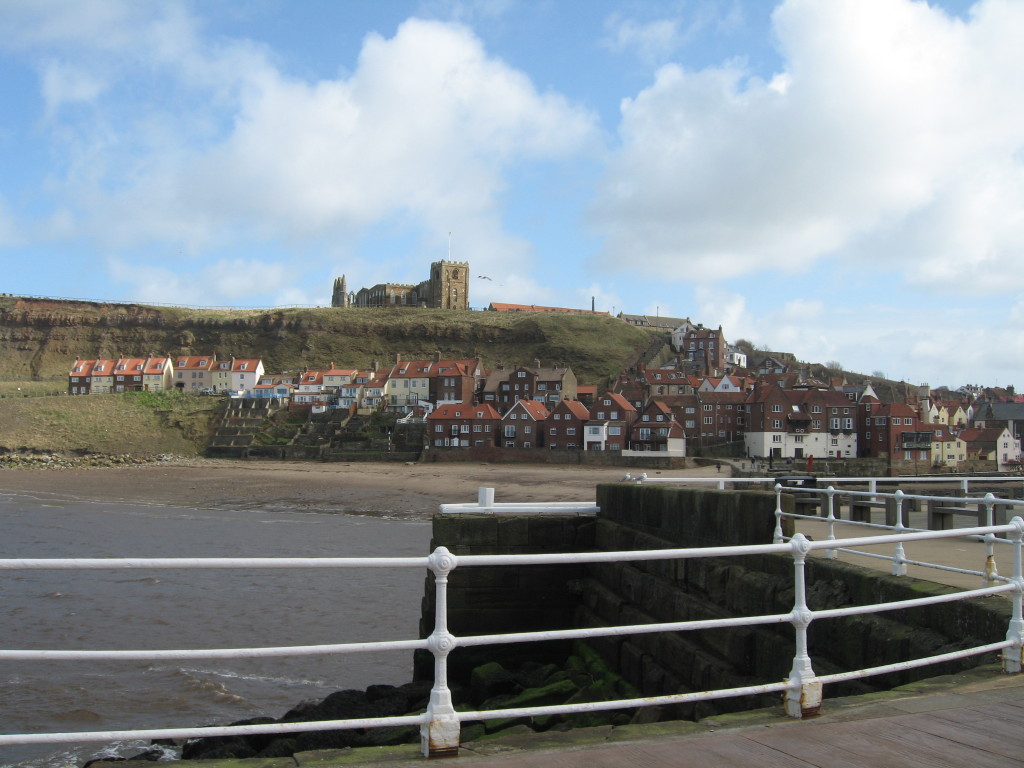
point(610, 422)
point(566, 424)
point(656, 430)
point(80, 377)
point(128, 372)
point(523, 425)
point(463, 425)
point(503, 387)
point(898, 433)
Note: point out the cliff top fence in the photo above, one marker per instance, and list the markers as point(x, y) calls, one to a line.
point(440, 723)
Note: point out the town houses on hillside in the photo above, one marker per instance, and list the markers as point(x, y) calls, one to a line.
point(702, 399)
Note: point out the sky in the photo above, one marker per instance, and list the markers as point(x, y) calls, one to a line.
point(838, 179)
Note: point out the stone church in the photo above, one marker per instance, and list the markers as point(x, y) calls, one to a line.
point(446, 288)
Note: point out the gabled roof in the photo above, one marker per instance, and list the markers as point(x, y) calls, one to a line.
point(986, 435)
point(156, 366)
point(575, 407)
point(618, 400)
point(246, 365)
point(82, 368)
point(130, 365)
point(194, 362)
point(536, 410)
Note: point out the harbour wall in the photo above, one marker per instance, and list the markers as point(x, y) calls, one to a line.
point(504, 599)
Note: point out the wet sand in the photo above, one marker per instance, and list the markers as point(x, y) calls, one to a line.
point(376, 488)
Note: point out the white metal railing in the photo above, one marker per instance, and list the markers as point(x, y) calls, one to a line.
point(485, 505)
point(440, 724)
point(873, 483)
point(984, 508)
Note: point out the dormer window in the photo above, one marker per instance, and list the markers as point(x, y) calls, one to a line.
point(202, 363)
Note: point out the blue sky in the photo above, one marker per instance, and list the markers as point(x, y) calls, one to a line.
point(840, 179)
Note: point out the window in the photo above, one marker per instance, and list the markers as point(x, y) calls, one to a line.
point(464, 428)
point(614, 430)
point(477, 428)
point(815, 409)
point(711, 420)
point(690, 424)
point(438, 428)
point(521, 374)
point(775, 408)
point(847, 424)
point(645, 433)
point(510, 430)
point(833, 423)
point(776, 423)
point(527, 429)
point(570, 431)
point(776, 438)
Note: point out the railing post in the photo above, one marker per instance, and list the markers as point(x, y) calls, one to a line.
point(831, 554)
point(803, 697)
point(899, 564)
point(485, 498)
point(439, 736)
point(778, 538)
point(991, 571)
point(1015, 632)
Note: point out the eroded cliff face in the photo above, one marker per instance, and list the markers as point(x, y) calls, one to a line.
point(40, 338)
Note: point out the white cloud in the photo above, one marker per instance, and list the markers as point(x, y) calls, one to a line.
point(893, 125)
point(226, 282)
point(653, 41)
point(62, 84)
point(424, 128)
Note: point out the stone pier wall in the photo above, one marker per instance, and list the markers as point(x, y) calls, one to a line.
point(497, 600)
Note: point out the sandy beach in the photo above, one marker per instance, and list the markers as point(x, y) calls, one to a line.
point(375, 488)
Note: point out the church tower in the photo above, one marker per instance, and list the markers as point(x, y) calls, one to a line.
point(340, 296)
point(449, 285)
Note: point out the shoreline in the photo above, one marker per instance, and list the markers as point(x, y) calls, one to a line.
point(404, 490)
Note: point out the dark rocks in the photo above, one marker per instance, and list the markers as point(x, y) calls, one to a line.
point(580, 677)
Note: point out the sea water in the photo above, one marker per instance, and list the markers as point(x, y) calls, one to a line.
point(182, 609)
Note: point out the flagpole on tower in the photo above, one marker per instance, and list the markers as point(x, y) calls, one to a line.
point(449, 246)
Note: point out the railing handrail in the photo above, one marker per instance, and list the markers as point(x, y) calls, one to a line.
point(439, 724)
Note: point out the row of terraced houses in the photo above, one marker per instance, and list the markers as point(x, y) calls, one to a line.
point(772, 410)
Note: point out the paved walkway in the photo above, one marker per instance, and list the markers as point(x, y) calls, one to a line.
point(978, 723)
point(974, 719)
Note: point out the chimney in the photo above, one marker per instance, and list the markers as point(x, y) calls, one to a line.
point(437, 356)
point(536, 362)
point(398, 358)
